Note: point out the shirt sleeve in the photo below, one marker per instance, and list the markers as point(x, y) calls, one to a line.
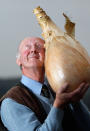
point(17, 117)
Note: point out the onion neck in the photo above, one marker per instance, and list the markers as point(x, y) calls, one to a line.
point(49, 28)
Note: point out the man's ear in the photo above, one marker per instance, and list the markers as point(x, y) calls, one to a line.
point(18, 61)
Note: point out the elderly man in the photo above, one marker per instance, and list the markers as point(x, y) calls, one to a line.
point(31, 105)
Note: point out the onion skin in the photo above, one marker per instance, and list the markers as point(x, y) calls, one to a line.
point(66, 60)
point(65, 64)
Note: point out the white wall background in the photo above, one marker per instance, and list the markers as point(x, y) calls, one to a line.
point(17, 21)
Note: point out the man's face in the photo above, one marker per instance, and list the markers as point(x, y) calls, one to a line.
point(32, 53)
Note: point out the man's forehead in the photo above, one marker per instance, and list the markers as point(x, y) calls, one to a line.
point(31, 40)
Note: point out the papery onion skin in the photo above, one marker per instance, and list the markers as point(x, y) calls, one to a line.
point(65, 64)
point(65, 58)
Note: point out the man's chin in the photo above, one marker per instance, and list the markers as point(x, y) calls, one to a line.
point(33, 58)
point(35, 63)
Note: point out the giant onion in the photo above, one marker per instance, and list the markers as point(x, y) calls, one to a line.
point(66, 60)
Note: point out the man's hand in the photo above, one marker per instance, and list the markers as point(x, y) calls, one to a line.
point(63, 98)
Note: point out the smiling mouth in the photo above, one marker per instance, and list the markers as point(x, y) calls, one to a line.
point(33, 57)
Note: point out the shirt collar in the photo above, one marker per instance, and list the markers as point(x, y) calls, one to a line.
point(32, 85)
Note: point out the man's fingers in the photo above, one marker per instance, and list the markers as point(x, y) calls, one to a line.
point(85, 89)
point(77, 94)
point(78, 90)
point(64, 87)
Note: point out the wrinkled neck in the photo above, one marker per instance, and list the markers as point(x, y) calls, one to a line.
point(34, 74)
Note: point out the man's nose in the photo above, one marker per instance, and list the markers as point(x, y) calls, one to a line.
point(33, 49)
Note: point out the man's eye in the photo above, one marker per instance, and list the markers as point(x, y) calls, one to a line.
point(27, 47)
point(39, 47)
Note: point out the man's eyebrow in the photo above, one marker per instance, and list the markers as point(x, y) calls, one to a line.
point(27, 45)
